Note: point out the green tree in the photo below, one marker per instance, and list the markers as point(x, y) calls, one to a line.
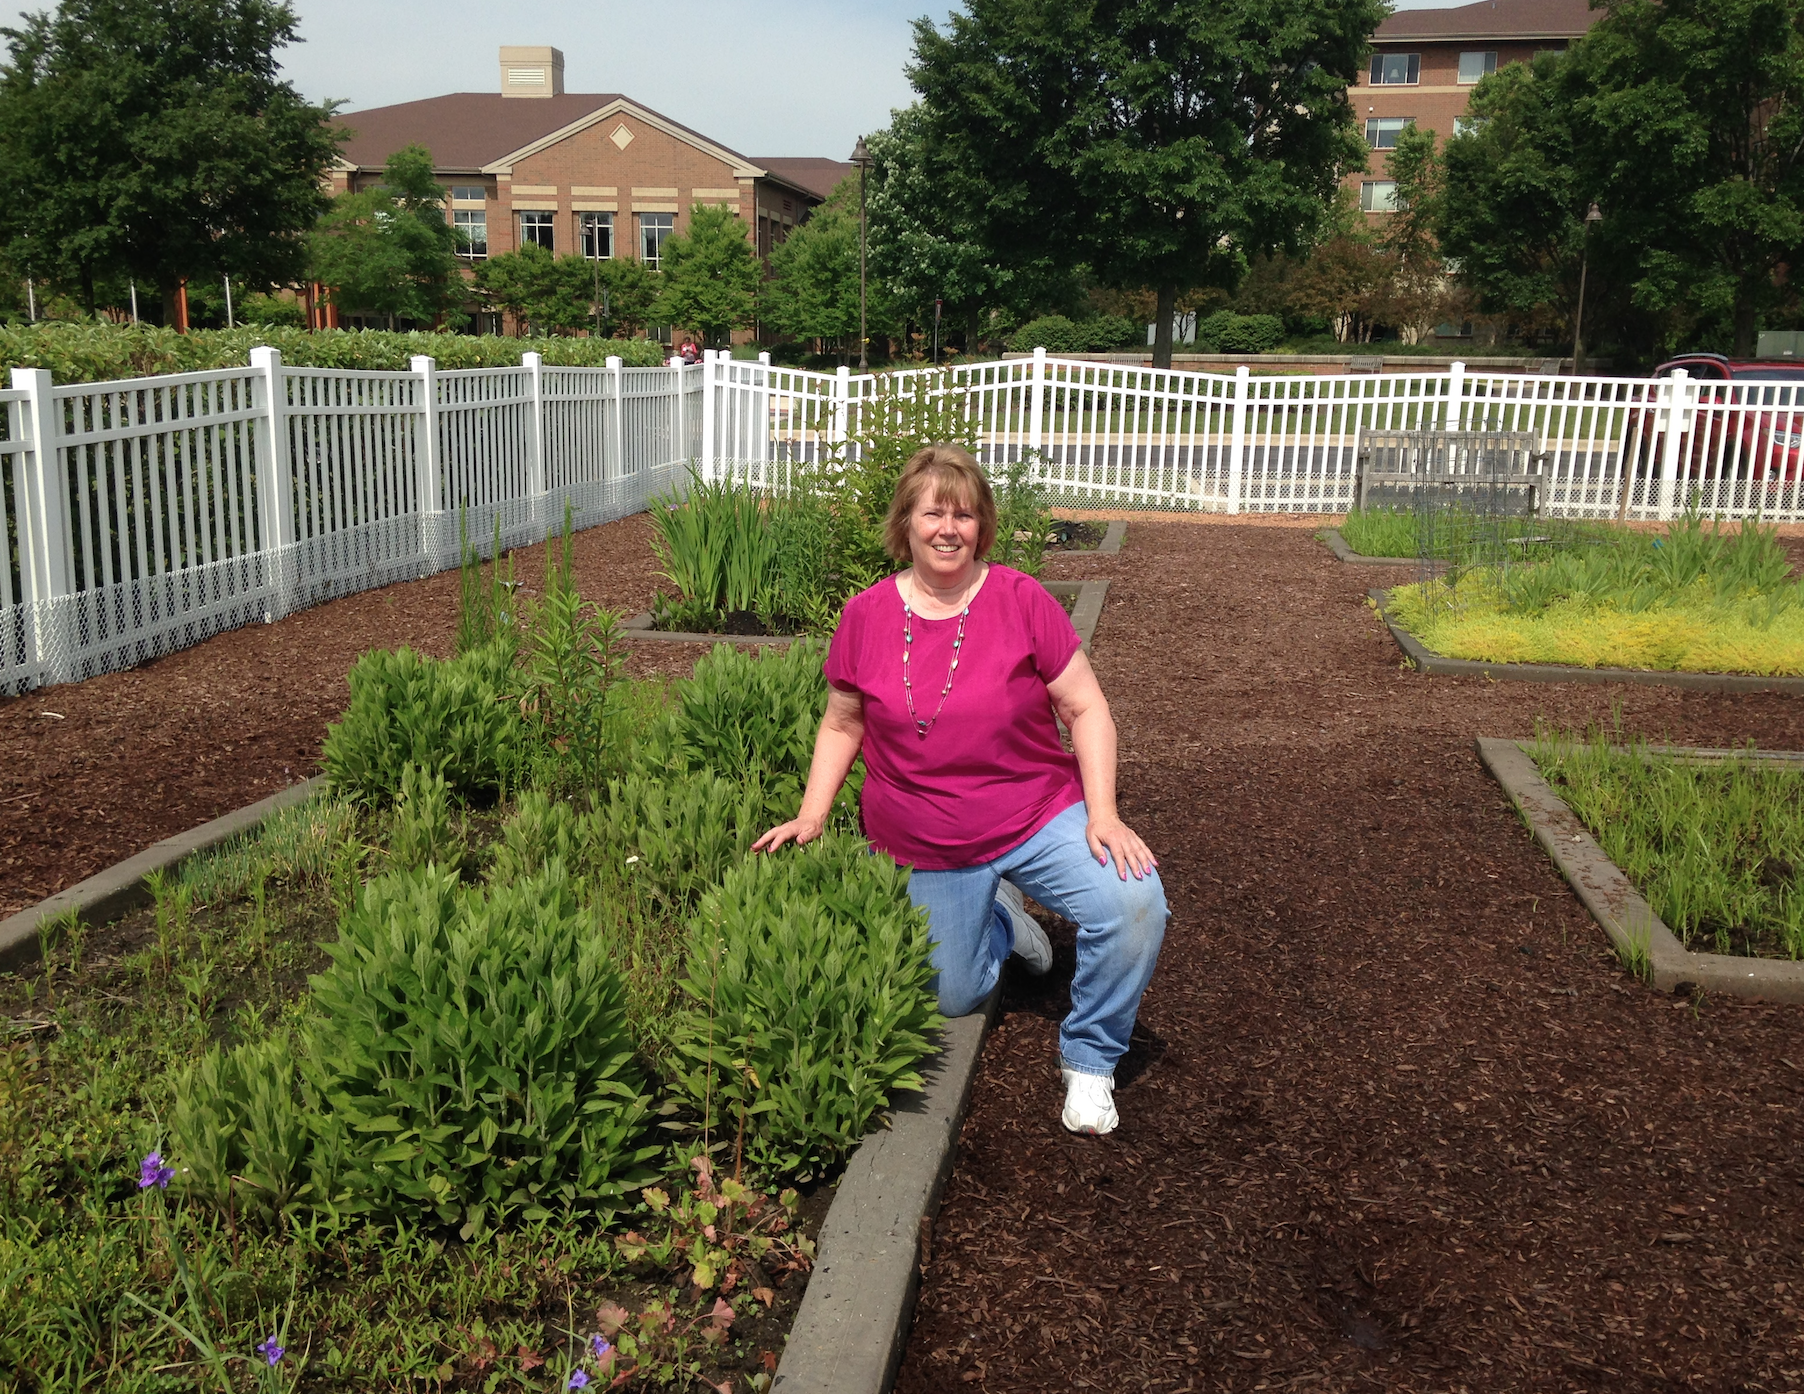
point(1160, 141)
point(813, 290)
point(388, 251)
point(710, 276)
point(153, 139)
point(627, 291)
point(1691, 118)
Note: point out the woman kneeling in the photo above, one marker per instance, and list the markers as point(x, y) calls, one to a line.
point(947, 677)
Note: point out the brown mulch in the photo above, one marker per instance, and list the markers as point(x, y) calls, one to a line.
point(130, 758)
point(1395, 1118)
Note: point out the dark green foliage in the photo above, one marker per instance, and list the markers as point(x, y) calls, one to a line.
point(104, 352)
point(154, 139)
point(714, 544)
point(1022, 518)
point(1226, 332)
point(1059, 335)
point(710, 276)
point(810, 1001)
point(472, 1051)
point(388, 251)
point(446, 716)
point(541, 830)
point(677, 835)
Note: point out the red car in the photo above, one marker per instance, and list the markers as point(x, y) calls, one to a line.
point(1749, 427)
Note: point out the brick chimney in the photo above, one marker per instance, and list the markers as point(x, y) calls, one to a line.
point(532, 72)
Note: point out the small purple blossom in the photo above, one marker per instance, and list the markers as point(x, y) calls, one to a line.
point(152, 1172)
point(599, 1344)
point(578, 1379)
point(272, 1352)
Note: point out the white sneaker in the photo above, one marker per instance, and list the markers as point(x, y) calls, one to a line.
point(1031, 943)
point(1089, 1103)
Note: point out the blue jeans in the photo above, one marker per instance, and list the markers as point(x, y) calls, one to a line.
point(1120, 925)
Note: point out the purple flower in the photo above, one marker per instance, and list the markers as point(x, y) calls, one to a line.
point(152, 1172)
point(578, 1379)
point(599, 1344)
point(272, 1352)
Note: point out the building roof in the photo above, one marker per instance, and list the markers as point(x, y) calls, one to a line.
point(469, 131)
point(1492, 19)
point(814, 176)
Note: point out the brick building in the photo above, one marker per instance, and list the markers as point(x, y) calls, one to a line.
point(1425, 64)
point(596, 174)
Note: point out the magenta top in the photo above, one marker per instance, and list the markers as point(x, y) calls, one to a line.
point(992, 771)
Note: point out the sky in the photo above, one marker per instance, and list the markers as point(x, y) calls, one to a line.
point(782, 77)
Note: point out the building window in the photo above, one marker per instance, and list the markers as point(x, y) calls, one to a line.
point(597, 235)
point(1382, 131)
point(469, 193)
point(1378, 196)
point(473, 223)
point(654, 230)
point(536, 229)
point(1473, 66)
point(1391, 68)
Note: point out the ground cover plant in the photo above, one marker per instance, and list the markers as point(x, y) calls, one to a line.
point(1716, 849)
point(496, 1065)
point(1380, 532)
point(783, 556)
point(1697, 598)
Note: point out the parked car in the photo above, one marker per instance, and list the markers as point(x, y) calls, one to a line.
point(1750, 421)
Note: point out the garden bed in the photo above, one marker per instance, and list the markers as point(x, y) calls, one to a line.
point(1337, 544)
point(1708, 836)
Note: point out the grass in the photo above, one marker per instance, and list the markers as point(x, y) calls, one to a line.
point(1380, 532)
point(107, 1285)
point(1715, 848)
point(1696, 599)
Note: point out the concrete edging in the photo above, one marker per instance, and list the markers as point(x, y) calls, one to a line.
point(1425, 661)
point(1636, 931)
point(849, 1333)
point(109, 894)
point(1338, 545)
point(1084, 614)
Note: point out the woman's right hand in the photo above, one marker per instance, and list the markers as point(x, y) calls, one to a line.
point(797, 830)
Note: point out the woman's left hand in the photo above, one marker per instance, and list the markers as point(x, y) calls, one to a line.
point(1113, 840)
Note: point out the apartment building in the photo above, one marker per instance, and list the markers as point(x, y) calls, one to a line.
point(1425, 64)
point(595, 174)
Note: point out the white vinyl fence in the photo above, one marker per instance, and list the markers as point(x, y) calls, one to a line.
point(142, 516)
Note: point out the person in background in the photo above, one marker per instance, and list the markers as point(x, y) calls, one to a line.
point(690, 353)
point(947, 677)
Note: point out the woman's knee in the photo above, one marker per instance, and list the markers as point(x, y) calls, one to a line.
point(1139, 910)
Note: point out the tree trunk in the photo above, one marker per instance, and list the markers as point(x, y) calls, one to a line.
point(1163, 316)
point(1746, 337)
point(973, 326)
point(87, 288)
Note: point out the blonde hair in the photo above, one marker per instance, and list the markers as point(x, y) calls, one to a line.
point(954, 477)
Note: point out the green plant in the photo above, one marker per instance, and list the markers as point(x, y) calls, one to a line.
point(471, 1049)
point(1380, 532)
point(721, 1234)
point(674, 836)
point(1022, 516)
point(446, 716)
point(540, 830)
point(1060, 335)
point(486, 611)
point(714, 545)
point(810, 1001)
point(420, 829)
point(746, 715)
point(240, 1124)
point(293, 844)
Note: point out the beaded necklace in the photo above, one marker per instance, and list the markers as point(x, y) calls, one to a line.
point(908, 689)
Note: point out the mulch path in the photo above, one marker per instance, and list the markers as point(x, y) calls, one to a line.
point(130, 758)
point(1395, 1118)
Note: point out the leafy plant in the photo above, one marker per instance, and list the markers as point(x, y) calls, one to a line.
point(722, 1236)
point(486, 611)
point(811, 998)
point(240, 1124)
point(1022, 517)
point(540, 830)
point(472, 1053)
point(675, 836)
point(713, 544)
point(420, 829)
point(445, 716)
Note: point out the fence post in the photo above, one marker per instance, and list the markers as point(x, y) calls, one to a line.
point(1456, 399)
point(842, 406)
point(710, 374)
point(428, 479)
point(1036, 407)
point(535, 445)
point(679, 445)
point(46, 560)
point(765, 428)
point(275, 482)
point(1679, 393)
point(1237, 444)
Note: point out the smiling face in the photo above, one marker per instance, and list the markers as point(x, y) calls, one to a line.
point(942, 540)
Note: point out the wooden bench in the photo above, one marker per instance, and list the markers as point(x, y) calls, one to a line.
point(1496, 460)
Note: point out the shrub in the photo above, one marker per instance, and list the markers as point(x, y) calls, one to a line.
point(541, 830)
point(472, 1050)
point(1060, 335)
point(746, 716)
point(446, 716)
point(1226, 332)
point(240, 1124)
point(1022, 517)
point(810, 1001)
point(420, 828)
point(682, 831)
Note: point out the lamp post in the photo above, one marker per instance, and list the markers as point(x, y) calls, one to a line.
point(862, 158)
point(1592, 215)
